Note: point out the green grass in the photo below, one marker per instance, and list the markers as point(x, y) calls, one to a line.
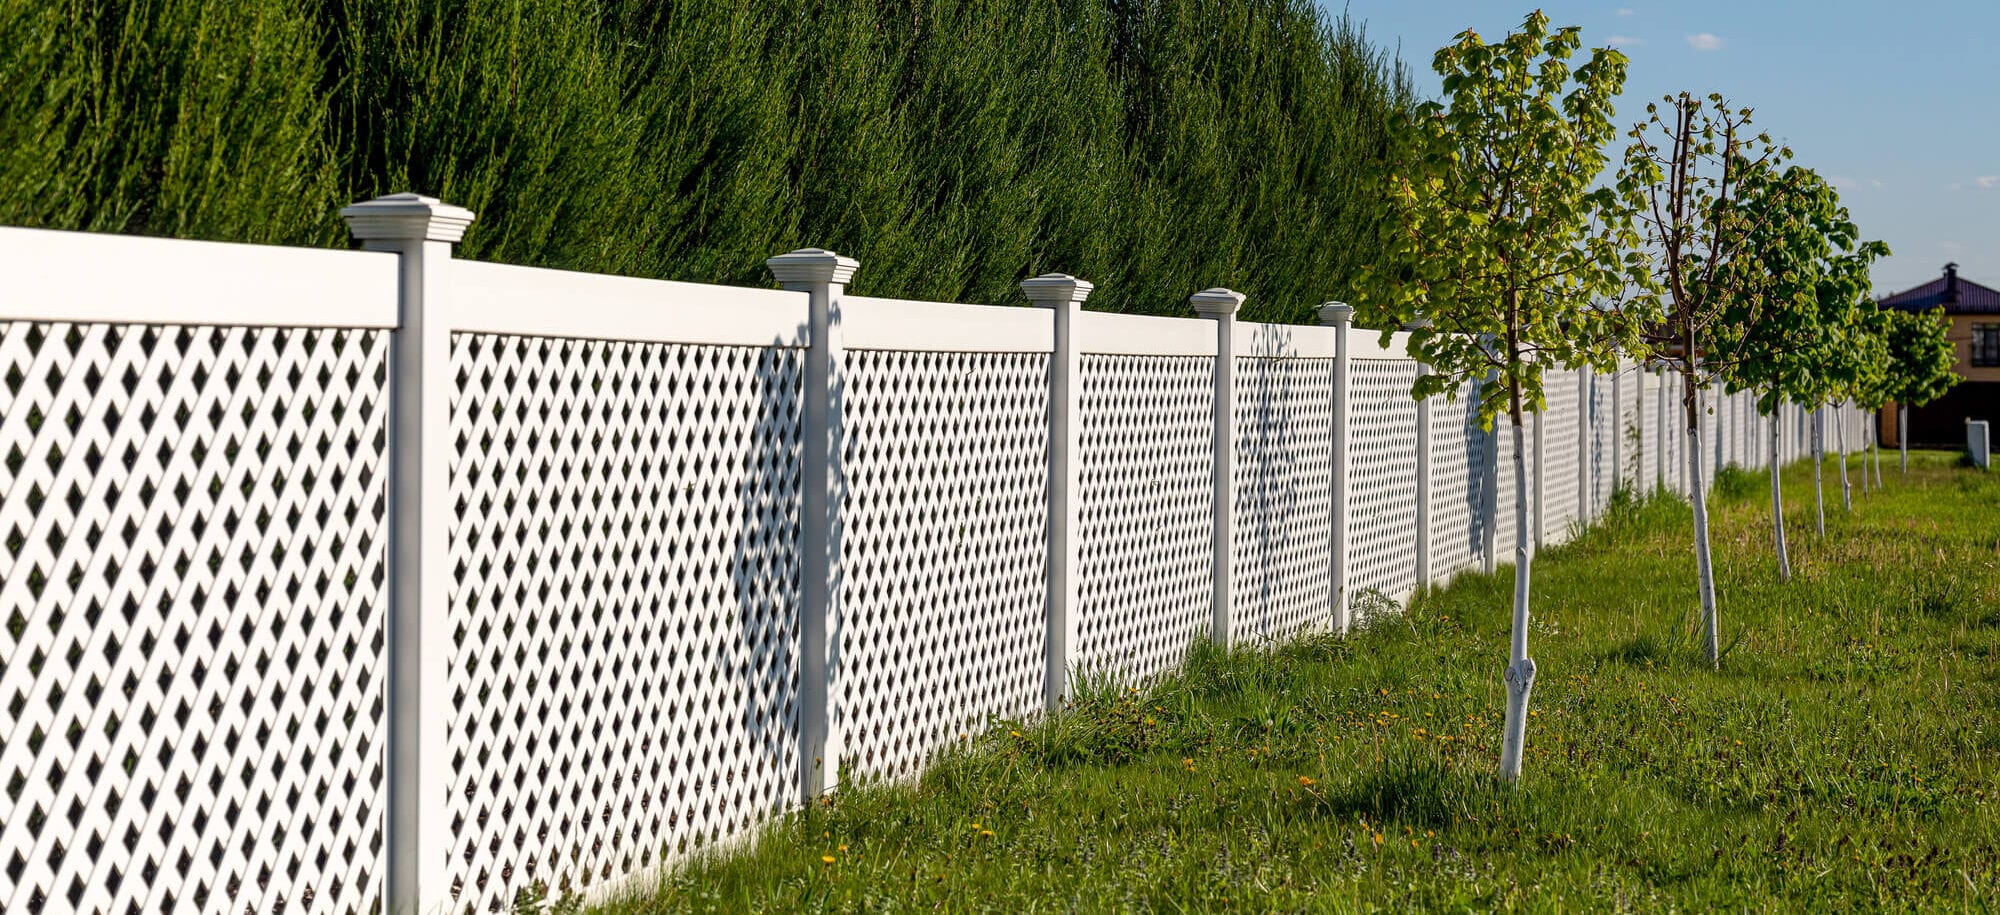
point(1844, 758)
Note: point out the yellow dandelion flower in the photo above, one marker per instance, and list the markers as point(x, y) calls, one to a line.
point(1305, 781)
point(987, 833)
point(826, 858)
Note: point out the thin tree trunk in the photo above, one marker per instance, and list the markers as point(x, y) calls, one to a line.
point(1778, 507)
point(1867, 436)
point(1840, 432)
point(1875, 445)
point(1903, 435)
point(1520, 675)
point(1704, 568)
point(1819, 469)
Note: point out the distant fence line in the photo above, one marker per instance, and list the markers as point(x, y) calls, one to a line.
point(342, 577)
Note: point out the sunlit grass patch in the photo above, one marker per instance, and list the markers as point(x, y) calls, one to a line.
point(1844, 757)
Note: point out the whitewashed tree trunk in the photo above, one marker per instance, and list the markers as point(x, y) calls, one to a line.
point(1778, 506)
point(1520, 675)
point(1840, 434)
point(1867, 441)
point(1704, 567)
point(1819, 470)
point(1903, 435)
point(1875, 446)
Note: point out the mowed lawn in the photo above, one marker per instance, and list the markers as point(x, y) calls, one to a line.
point(1846, 757)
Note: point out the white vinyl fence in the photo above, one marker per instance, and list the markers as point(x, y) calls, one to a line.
point(342, 577)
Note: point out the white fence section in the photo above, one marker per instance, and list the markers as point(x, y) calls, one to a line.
point(342, 579)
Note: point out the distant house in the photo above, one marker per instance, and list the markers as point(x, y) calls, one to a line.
point(1974, 311)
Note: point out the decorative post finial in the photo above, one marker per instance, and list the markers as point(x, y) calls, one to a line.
point(406, 217)
point(1336, 314)
point(1051, 290)
point(806, 266)
point(1216, 302)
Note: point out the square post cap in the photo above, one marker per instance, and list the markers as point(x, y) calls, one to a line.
point(1216, 302)
point(810, 266)
point(1054, 290)
point(1336, 314)
point(406, 217)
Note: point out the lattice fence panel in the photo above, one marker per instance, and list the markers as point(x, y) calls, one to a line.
point(1645, 427)
point(192, 661)
point(1458, 483)
point(1603, 433)
point(1147, 511)
point(1561, 463)
point(1382, 479)
point(1284, 498)
point(944, 551)
point(624, 605)
point(1504, 503)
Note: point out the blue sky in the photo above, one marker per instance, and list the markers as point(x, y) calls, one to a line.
point(1897, 103)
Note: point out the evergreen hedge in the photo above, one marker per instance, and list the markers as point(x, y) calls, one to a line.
point(1154, 147)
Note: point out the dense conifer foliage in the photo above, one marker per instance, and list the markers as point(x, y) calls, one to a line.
point(954, 146)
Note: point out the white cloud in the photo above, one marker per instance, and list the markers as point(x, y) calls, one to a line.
point(1624, 11)
point(1623, 41)
point(1987, 182)
point(1706, 41)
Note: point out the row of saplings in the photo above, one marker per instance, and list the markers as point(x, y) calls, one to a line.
point(1710, 255)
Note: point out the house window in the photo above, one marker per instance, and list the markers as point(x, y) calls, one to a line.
point(1986, 344)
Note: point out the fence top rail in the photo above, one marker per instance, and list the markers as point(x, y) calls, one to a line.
point(533, 301)
point(1287, 341)
point(88, 277)
point(1110, 333)
point(873, 323)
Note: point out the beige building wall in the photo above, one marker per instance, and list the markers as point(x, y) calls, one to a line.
point(1961, 344)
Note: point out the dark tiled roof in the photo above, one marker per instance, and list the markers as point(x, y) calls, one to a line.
point(1973, 299)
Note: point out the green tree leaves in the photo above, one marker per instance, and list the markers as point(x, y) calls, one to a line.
point(1504, 240)
point(1920, 357)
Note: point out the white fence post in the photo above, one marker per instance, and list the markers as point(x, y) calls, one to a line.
point(1340, 316)
point(421, 231)
point(823, 276)
point(1063, 295)
point(1583, 480)
point(1221, 304)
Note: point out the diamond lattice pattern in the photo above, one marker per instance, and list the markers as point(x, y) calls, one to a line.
point(192, 662)
point(1458, 482)
point(1560, 464)
point(944, 550)
point(624, 600)
point(1147, 511)
point(1382, 478)
point(1283, 521)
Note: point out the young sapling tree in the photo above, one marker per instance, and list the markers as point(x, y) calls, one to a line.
point(1685, 175)
point(1802, 271)
point(1510, 244)
point(1920, 367)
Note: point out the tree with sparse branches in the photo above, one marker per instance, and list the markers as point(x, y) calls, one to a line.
point(1691, 164)
point(1508, 243)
